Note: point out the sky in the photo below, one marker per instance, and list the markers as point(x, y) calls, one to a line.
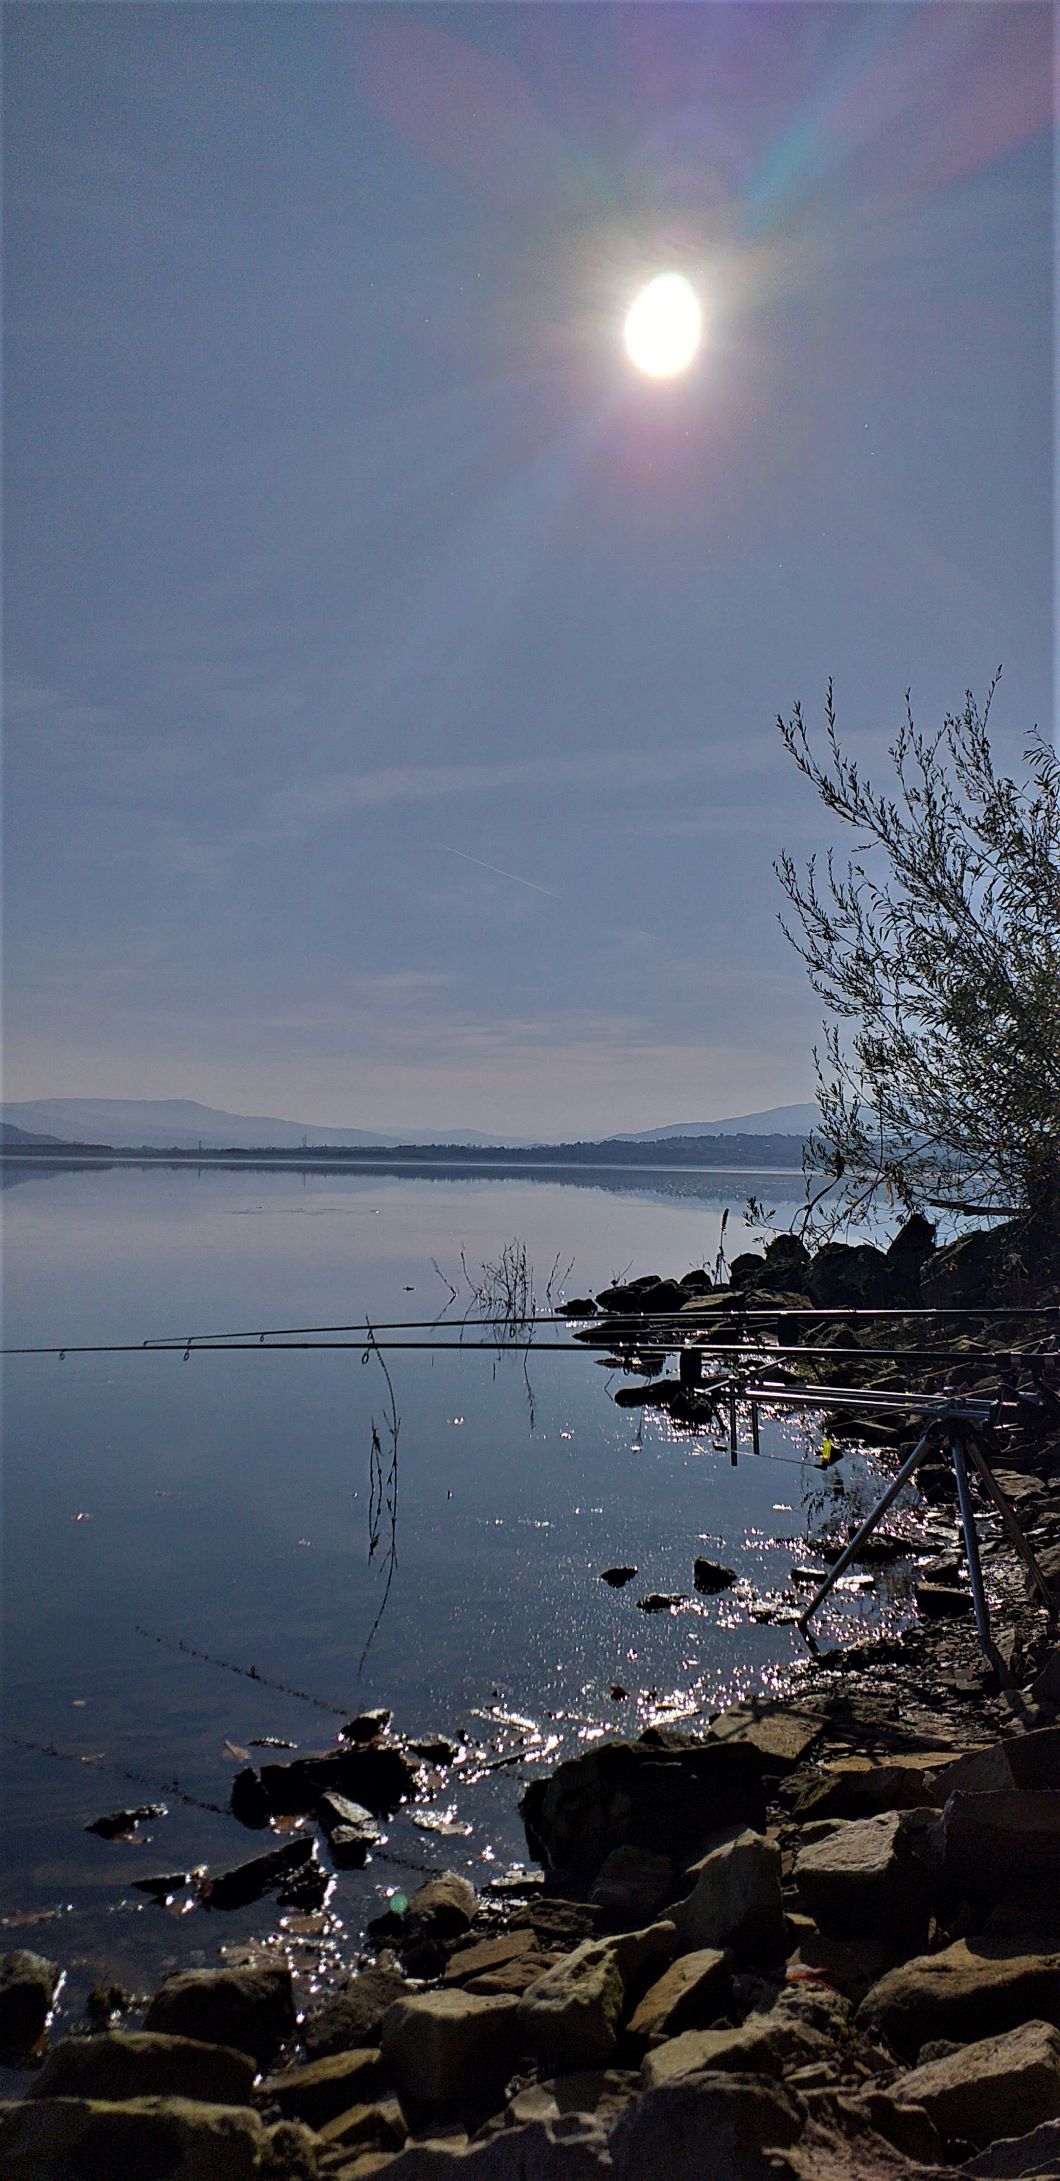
point(391, 670)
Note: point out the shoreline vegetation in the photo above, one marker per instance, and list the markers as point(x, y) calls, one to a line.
point(816, 1938)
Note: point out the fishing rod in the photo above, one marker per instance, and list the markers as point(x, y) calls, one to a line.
point(689, 1316)
point(262, 1344)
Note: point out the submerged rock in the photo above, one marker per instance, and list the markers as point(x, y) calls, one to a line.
point(251, 1881)
point(617, 1577)
point(710, 1575)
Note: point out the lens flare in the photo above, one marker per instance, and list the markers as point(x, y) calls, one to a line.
point(664, 326)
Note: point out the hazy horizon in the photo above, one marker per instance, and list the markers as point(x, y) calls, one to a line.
point(391, 669)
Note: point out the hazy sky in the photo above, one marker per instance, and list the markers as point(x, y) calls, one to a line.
point(391, 670)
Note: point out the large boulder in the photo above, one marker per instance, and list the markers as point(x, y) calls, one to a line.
point(690, 1994)
point(249, 2009)
point(735, 1900)
point(570, 2018)
point(1020, 1760)
point(975, 1988)
point(27, 1988)
point(444, 2050)
point(665, 1792)
point(121, 2064)
point(355, 2015)
point(992, 2087)
point(377, 1775)
point(324, 2088)
point(850, 1272)
point(1015, 2158)
point(707, 2127)
point(138, 2139)
point(865, 1876)
point(981, 1267)
point(860, 1787)
point(1002, 1843)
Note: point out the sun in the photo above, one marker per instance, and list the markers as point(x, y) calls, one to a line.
point(664, 326)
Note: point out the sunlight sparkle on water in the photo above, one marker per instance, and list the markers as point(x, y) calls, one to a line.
point(664, 326)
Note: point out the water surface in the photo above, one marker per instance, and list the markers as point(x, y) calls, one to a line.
point(222, 1502)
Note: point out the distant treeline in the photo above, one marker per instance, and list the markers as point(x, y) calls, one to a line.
point(723, 1151)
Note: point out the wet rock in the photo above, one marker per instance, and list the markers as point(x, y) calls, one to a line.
point(250, 1881)
point(706, 2127)
point(580, 1306)
point(942, 1601)
point(445, 1906)
point(632, 1884)
point(1002, 1843)
point(617, 1576)
point(249, 2009)
point(689, 1995)
point(710, 1576)
point(442, 2049)
point(121, 2064)
point(661, 1601)
point(991, 2087)
point(27, 1988)
point(58, 2139)
point(976, 1987)
point(377, 1775)
point(318, 2091)
point(865, 1876)
point(668, 1794)
point(735, 1899)
point(351, 1831)
point(248, 1801)
point(119, 1824)
point(368, 1725)
point(436, 1750)
point(355, 2016)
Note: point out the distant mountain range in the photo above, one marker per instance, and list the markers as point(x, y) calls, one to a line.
point(181, 1124)
point(776, 1121)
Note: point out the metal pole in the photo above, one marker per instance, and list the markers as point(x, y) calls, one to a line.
point(897, 1483)
point(971, 1546)
point(1016, 1536)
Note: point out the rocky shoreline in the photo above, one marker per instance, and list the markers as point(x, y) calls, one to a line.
point(818, 1940)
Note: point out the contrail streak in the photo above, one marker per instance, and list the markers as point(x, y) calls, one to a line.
point(497, 872)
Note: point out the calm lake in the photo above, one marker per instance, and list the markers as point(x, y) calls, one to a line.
point(223, 1502)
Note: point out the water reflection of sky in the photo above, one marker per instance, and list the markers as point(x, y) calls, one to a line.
point(222, 1502)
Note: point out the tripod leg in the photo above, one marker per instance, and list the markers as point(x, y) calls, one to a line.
point(975, 1572)
point(851, 1551)
point(1020, 1543)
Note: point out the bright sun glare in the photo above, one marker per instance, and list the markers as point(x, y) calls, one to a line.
point(663, 326)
